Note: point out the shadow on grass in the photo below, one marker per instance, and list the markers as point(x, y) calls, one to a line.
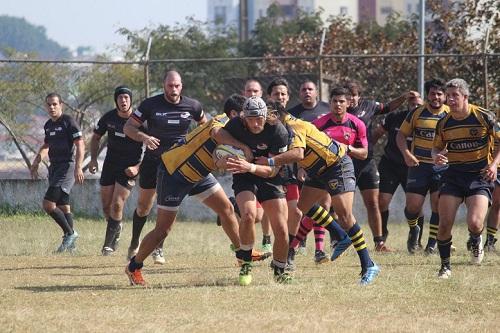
point(74, 288)
point(60, 267)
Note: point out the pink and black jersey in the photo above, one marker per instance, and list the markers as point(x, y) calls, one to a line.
point(366, 110)
point(349, 131)
point(166, 121)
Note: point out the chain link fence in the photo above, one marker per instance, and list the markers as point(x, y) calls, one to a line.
point(87, 87)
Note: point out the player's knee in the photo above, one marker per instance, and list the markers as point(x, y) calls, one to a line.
point(48, 206)
point(117, 207)
point(248, 218)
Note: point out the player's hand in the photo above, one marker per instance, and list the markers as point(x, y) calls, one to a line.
point(93, 166)
point(151, 142)
point(132, 171)
point(238, 165)
point(301, 175)
point(490, 172)
point(440, 158)
point(34, 171)
point(79, 176)
point(411, 160)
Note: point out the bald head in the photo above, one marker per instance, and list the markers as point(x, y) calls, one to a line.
point(252, 88)
point(172, 87)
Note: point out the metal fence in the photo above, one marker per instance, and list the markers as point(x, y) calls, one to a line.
point(87, 86)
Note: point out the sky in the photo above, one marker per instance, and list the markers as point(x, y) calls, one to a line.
point(94, 22)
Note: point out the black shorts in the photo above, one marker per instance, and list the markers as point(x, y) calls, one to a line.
point(464, 184)
point(114, 173)
point(57, 195)
point(338, 178)
point(391, 175)
point(172, 189)
point(148, 171)
point(423, 178)
point(264, 189)
point(62, 175)
point(367, 176)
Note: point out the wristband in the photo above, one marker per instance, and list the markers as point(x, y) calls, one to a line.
point(348, 150)
point(253, 168)
point(270, 161)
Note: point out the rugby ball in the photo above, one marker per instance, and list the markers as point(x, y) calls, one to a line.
point(228, 150)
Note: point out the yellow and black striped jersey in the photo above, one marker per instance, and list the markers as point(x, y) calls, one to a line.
point(420, 125)
point(192, 157)
point(469, 141)
point(320, 151)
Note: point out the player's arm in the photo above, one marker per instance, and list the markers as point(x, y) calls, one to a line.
point(359, 153)
point(439, 151)
point(133, 131)
point(402, 144)
point(94, 152)
point(360, 149)
point(42, 153)
point(80, 153)
point(378, 132)
point(290, 156)
point(238, 165)
point(398, 101)
point(203, 119)
point(221, 136)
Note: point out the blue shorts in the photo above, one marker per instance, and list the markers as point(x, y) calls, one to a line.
point(148, 171)
point(172, 189)
point(423, 178)
point(465, 184)
point(338, 178)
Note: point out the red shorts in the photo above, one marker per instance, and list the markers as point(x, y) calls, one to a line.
point(292, 192)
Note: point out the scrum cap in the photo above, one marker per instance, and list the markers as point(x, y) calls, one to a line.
point(255, 107)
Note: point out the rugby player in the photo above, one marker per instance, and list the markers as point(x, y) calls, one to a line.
point(168, 117)
point(62, 138)
point(120, 168)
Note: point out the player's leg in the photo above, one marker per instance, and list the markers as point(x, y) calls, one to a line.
point(246, 201)
point(276, 209)
point(477, 206)
point(431, 246)
point(493, 220)
point(448, 206)
point(113, 230)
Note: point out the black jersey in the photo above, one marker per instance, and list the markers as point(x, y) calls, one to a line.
point(273, 140)
point(166, 121)
point(299, 111)
point(391, 124)
point(366, 110)
point(122, 150)
point(59, 136)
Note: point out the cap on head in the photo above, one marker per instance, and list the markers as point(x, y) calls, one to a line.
point(122, 90)
point(255, 107)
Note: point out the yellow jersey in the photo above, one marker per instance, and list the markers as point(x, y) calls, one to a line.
point(469, 141)
point(192, 157)
point(320, 151)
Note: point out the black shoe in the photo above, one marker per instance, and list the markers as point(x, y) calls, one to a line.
point(290, 261)
point(320, 257)
point(412, 243)
point(489, 245)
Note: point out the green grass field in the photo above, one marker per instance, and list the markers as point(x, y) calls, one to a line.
point(197, 289)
